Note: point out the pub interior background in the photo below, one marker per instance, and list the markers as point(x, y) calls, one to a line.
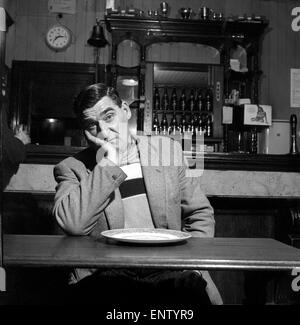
point(253, 187)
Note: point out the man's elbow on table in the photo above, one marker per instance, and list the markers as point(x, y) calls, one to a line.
point(70, 226)
point(204, 227)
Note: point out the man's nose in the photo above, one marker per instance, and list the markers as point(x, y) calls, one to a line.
point(102, 130)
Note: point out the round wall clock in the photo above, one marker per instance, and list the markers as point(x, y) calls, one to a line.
point(58, 37)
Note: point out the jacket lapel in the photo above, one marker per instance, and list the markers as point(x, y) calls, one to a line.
point(154, 175)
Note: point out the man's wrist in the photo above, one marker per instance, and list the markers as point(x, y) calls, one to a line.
point(104, 162)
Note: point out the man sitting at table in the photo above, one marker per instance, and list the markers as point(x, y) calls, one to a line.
point(125, 181)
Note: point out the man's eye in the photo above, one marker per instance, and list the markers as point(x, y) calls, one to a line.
point(108, 117)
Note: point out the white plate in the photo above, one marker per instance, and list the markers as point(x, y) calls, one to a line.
point(146, 235)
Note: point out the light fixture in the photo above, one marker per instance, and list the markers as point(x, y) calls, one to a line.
point(97, 40)
point(129, 82)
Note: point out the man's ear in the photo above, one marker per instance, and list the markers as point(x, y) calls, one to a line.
point(126, 108)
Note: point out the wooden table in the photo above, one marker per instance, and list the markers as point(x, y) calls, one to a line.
point(245, 254)
point(196, 253)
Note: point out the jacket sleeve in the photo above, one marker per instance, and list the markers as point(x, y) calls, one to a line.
point(197, 213)
point(80, 199)
point(14, 153)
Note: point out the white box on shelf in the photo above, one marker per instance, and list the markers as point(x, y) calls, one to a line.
point(227, 115)
point(243, 101)
point(275, 139)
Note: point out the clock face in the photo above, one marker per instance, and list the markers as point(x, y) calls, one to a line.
point(58, 38)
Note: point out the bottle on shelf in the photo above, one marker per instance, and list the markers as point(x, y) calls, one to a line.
point(243, 89)
point(209, 126)
point(293, 123)
point(187, 133)
point(192, 101)
point(204, 124)
point(189, 128)
point(182, 101)
point(253, 140)
point(196, 123)
point(200, 124)
point(156, 99)
point(209, 100)
point(155, 124)
point(225, 138)
point(192, 124)
point(240, 137)
point(174, 129)
point(183, 124)
point(165, 100)
point(199, 101)
point(164, 124)
point(174, 101)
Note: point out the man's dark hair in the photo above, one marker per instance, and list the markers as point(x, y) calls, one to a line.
point(90, 95)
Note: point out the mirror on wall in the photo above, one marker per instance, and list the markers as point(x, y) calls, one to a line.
point(238, 58)
point(189, 91)
point(179, 75)
point(128, 54)
point(182, 52)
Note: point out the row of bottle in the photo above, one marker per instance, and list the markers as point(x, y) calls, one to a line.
point(197, 124)
point(202, 100)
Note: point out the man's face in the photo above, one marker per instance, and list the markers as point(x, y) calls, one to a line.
point(107, 121)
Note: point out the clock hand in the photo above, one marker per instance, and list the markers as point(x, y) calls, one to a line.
point(59, 36)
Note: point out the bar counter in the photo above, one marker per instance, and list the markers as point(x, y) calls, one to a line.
point(222, 183)
point(45, 154)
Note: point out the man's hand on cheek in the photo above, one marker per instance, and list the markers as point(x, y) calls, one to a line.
point(104, 149)
point(93, 141)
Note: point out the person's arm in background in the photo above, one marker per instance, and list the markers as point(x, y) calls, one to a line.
point(14, 143)
point(22, 134)
point(14, 151)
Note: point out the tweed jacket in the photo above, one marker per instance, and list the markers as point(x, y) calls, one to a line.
point(88, 199)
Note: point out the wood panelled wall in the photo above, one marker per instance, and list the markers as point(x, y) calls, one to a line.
point(26, 38)
point(280, 48)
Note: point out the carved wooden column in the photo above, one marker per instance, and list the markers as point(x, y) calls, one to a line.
point(114, 64)
point(2, 51)
point(256, 72)
point(5, 22)
point(225, 61)
point(142, 74)
point(2, 72)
